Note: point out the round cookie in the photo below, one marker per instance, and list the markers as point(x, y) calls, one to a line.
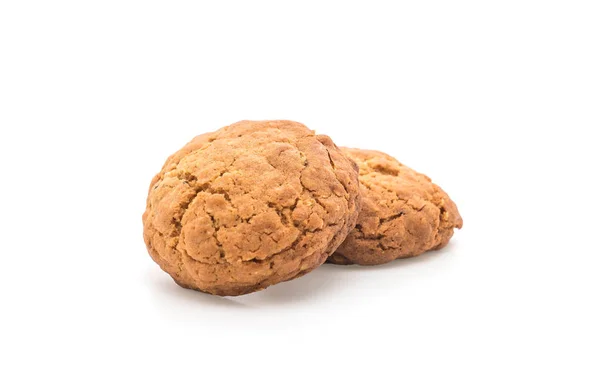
point(403, 213)
point(250, 205)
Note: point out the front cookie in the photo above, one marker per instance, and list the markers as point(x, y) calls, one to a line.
point(403, 213)
point(250, 205)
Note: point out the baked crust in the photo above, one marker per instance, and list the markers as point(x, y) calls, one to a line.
point(250, 205)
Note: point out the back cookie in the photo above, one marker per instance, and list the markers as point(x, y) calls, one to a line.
point(403, 213)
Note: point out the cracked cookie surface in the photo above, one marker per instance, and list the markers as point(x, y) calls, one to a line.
point(250, 205)
point(403, 213)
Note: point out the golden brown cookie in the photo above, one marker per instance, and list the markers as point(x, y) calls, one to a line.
point(250, 205)
point(403, 213)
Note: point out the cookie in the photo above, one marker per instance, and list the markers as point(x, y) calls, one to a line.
point(403, 213)
point(250, 205)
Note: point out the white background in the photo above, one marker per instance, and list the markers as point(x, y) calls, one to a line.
point(499, 102)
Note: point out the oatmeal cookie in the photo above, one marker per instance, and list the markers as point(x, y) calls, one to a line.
point(250, 205)
point(403, 213)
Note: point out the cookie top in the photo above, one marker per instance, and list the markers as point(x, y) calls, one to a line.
point(403, 213)
point(250, 205)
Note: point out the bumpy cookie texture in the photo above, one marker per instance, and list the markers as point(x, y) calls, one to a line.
point(403, 213)
point(250, 205)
